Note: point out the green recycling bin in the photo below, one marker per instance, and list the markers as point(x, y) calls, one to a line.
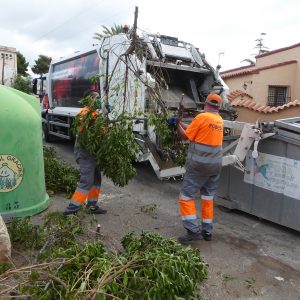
point(22, 178)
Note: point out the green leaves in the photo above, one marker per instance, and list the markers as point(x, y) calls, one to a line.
point(117, 152)
point(26, 235)
point(59, 176)
point(22, 64)
point(168, 140)
point(57, 231)
point(116, 29)
point(41, 65)
point(22, 84)
point(166, 269)
point(149, 267)
point(111, 142)
point(162, 130)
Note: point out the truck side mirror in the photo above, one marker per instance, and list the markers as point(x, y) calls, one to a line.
point(34, 86)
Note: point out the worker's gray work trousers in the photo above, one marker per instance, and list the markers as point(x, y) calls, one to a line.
point(89, 173)
point(88, 187)
point(201, 177)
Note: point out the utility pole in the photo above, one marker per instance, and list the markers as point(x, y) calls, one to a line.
point(3, 63)
point(135, 23)
point(133, 42)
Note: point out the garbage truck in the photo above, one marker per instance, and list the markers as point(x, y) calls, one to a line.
point(137, 73)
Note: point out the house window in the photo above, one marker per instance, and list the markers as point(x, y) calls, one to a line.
point(278, 95)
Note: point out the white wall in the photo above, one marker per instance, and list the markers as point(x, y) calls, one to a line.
point(8, 65)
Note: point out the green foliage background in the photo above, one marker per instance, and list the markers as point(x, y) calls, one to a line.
point(22, 64)
point(41, 65)
point(22, 84)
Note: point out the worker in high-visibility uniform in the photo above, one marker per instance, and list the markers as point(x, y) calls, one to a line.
point(89, 186)
point(203, 167)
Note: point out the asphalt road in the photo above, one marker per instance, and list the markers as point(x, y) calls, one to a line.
point(248, 258)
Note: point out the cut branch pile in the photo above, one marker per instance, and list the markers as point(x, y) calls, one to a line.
point(149, 267)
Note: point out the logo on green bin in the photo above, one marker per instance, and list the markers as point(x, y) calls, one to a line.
point(11, 173)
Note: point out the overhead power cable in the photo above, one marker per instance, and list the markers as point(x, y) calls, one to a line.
point(76, 16)
point(68, 20)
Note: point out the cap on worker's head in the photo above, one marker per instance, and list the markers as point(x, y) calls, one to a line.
point(90, 92)
point(214, 100)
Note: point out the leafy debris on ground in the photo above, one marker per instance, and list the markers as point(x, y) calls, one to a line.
point(59, 175)
point(148, 267)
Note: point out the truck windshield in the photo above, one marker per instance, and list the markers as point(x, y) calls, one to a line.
point(71, 78)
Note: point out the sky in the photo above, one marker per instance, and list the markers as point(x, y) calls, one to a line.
point(225, 31)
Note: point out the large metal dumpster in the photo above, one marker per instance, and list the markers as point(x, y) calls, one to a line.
point(22, 179)
point(270, 187)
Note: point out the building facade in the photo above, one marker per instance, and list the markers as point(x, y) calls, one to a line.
point(268, 89)
point(8, 65)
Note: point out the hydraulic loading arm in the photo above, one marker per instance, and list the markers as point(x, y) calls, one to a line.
point(250, 134)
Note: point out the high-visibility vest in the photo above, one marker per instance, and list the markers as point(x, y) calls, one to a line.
point(206, 136)
point(206, 128)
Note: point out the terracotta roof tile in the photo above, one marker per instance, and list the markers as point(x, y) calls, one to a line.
point(235, 73)
point(256, 106)
point(249, 103)
point(252, 105)
point(266, 109)
point(273, 109)
point(283, 106)
point(253, 69)
point(236, 93)
point(243, 103)
point(237, 102)
point(261, 108)
point(278, 50)
point(293, 103)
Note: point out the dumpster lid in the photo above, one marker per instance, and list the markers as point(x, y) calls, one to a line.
point(292, 124)
point(289, 128)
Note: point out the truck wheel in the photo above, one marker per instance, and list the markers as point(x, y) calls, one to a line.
point(47, 137)
point(224, 209)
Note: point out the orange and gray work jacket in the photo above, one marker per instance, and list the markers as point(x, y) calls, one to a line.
point(83, 112)
point(206, 136)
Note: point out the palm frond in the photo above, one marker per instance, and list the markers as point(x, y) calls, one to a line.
point(113, 30)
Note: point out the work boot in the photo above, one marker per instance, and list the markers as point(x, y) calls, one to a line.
point(189, 237)
point(71, 209)
point(95, 209)
point(206, 235)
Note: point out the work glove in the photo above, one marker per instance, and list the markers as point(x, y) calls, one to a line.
point(172, 121)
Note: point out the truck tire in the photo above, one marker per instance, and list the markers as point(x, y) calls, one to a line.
point(47, 137)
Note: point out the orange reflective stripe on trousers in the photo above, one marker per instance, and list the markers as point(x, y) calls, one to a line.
point(79, 196)
point(187, 207)
point(207, 209)
point(94, 193)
